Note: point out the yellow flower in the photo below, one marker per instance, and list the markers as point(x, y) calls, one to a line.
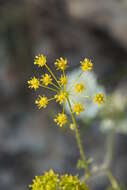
point(48, 181)
point(61, 97)
point(69, 182)
point(86, 65)
point(40, 60)
point(61, 64)
point(46, 79)
point(79, 87)
point(53, 181)
point(41, 102)
point(99, 98)
point(63, 80)
point(78, 108)
point(36, 183)
point(61, 119)
point(34, 83)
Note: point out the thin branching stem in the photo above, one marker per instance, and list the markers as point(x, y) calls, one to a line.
point(55, 86)
point(113, 181)
point(49, 88)
point(48, 68)
point(78, 138)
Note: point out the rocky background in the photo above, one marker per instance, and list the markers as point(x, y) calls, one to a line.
point(30, 142)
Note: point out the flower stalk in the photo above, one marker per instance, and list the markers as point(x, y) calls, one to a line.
point(78, 138)
point(62, 96)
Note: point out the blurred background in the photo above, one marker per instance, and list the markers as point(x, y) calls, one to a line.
point(30, 143)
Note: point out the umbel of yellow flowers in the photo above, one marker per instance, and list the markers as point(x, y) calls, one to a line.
point(53, 181)
point(49, 81)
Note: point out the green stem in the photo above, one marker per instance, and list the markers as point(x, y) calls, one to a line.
point(78, 138)
point(52, 75)
point(113, 181)
point(55, 86)
point(110, 148)
point(105, 167)
point(49, 88)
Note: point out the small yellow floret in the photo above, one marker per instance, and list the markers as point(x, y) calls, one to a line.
point(86, 65)
point(40, 60)
point(61, 64)
point(61, 97)
point(61, 119)
point(78, 108)
point(51, 172)
point(41, 102)
point(63, 80)
point(99, 98)
point(46, 79)
point(34, 83)
point(79, 87)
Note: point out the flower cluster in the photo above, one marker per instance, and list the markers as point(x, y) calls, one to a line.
point(52, 181)
point(59, 87)
point(48, 181)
